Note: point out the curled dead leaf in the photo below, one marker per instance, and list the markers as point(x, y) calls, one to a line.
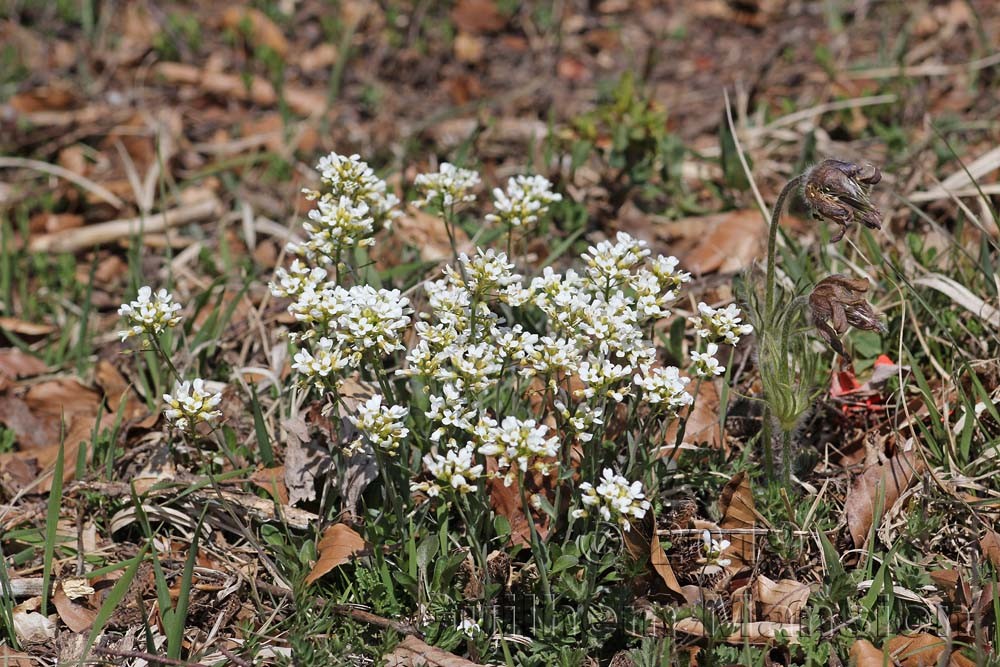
point(262, 31)
point(738, 512)
point(339, 544)
point(412, 652)
point(882, 484)
point(779, 601)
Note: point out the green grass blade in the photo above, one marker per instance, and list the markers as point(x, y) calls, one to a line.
point(52, 523)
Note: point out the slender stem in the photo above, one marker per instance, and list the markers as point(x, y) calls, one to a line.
point(536, 544)
point(772, 238)
point(765, 436)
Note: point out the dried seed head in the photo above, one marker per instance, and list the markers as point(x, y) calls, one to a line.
point(838, 302)
point(841, 192)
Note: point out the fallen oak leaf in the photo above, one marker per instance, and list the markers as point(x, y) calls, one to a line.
point(921, 650)
point(259, 29)
point(77, 617)
point(339, 544)
point(880, 483)
point(412, 652)
point(738, 512)
point(779, 601)
point(990, 546)
point(640, 547)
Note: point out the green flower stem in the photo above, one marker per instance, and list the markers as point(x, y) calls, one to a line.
point(536, 547)
point(772, 238)
point(472, 533)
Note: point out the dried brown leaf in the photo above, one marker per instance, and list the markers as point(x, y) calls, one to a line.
point(739, 512)
point(76, 616)
point(990, 545)
point(922, 650)
point(476, 16)
point(724, 242)
point(117, 391)
point(272, 480)
point(865, 654)
point(642, 542)
point(16, 364)
point(338, 546)
point(779, 601)
point(262, 30)
point(412, 652)
point(702, 423)
point(758, 633)
point(880, 480)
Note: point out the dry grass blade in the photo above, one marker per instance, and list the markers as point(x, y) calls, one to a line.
point(962, 296)
point(72, 240)
point(55, 170)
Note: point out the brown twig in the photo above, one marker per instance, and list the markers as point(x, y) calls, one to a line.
point(141, 655)
point(234, 658)
point(79, 238)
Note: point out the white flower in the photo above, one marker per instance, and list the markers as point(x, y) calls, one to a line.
point(191, 404)
point(713, 550)
point(488, 274)
point(450, 185)
point(610, 264)
point(454, 470)
point(469, 628)
point(519, 441)
point(526, 198)
point(704, 364)
point(664, 387)
point(362, 319)
point(665, 270)
point(351, 178)
point(615, 499)
point(298, 278)
point(382, 424)
point(604, 378)
point(319, 363)
point(149, 313)
point(337, 224)
point(720, 324)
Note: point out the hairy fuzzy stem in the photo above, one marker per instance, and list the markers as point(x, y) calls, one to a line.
point(772, 241)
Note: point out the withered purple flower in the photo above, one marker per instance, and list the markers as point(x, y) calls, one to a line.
point(841, 193)
point(838, 302)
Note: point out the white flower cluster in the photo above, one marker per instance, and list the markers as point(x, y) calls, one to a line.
point(449, 186)
point(150, 313)
point(190, 404)
point(351, 323)
point(720, 324)
point(526, 198)
point(521, 442)
point(664, 388)
point(343, 325)
point(593, 352)
point(615, 498)
point(383, 425)
point(336, 225)
point(455, 470)
point(348, 177)
point(353, 205)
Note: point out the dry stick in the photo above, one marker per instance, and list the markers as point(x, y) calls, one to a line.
point(56, 170)
point(234, 658)
point(72, 240)
point(141, 655)
point(345, 610)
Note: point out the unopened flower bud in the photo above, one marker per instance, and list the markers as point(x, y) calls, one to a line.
point(841, 192)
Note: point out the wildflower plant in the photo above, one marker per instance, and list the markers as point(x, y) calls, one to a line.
point(840, 192)
point(494, 380)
